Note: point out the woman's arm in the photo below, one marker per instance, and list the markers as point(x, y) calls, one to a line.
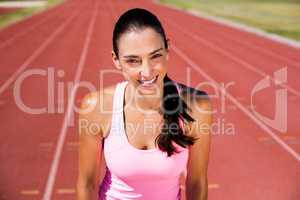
point(196, 180)
point(90, 151)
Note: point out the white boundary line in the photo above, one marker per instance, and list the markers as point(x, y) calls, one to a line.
point(22, 4)
point(230, 56)
point(28, 29)
point(274, 37)
point(35, 54)
point(63, 132)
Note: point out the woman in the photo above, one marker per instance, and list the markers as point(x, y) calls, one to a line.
point(150, 129)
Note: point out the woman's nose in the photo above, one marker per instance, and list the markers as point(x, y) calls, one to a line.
point(146, 69)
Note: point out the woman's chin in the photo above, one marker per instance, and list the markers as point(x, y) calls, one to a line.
point(150, 89)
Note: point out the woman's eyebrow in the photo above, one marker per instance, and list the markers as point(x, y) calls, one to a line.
point(153, 52)
point(135, 56)
point(130, 56)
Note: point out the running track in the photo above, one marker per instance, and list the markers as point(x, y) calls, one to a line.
point(38, 152)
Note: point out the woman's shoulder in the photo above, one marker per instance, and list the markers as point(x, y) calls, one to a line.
point(96, 107)
point(200, 108)
point(100, 100)
point(193, 95)
point(197, 100)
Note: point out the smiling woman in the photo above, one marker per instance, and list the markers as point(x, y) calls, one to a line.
point(155, 130)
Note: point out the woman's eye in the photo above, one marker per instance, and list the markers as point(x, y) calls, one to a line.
point(156, 56)
point(132, 61)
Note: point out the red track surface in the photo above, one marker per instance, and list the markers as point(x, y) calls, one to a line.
point(247, 165)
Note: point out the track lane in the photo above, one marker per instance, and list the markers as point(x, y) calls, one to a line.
point(70, 109)
point(31, 159)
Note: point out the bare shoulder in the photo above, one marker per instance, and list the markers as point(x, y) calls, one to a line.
point(96, 109)
point(195, 97)
point(200, 108)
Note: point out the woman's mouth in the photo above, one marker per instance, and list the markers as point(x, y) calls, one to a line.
point(149, 82)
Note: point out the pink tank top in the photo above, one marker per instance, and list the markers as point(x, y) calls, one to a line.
point(134, 173)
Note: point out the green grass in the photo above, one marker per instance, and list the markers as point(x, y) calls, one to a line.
point(9, 18)
point(274, 16)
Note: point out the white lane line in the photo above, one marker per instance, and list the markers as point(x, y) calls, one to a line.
point(264, 50)
point(237, 103)
point(35, 54)
point(31, 27)
point(260, 50)
point(231, 56)
point(63, 131)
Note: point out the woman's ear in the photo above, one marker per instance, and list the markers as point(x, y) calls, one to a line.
point(116, 60)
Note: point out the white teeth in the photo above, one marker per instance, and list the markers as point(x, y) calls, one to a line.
point(149, 82)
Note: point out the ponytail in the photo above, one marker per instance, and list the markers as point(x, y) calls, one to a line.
point(174, 111)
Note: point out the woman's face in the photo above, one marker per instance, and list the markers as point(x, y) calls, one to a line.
point(143, 60)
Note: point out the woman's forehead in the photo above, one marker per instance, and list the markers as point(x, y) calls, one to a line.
point(140, 42)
